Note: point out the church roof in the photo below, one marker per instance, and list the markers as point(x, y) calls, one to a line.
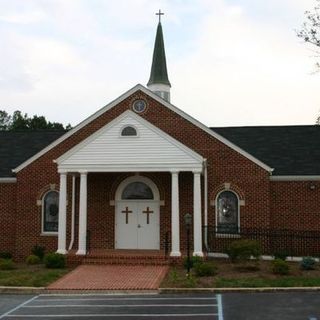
point(290, 150)
point(159, 74)
point(18, 146)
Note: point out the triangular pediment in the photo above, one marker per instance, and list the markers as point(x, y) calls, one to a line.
point(150, 150)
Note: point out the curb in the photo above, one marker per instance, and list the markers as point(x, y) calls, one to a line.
point(244, 290)
point(43, 290)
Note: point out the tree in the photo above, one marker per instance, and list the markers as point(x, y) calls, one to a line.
point(310, 30)
point(19, 121)
point(310, 33)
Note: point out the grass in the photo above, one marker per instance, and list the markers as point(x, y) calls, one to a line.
point(30, 276)
point(243, 276)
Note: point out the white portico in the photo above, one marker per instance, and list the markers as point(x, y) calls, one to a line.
point(129, 143)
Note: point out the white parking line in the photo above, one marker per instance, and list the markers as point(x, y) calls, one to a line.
point(118, 305)
point(220, 310)
point(18, 307)
point(130, 299)
point(197, 315)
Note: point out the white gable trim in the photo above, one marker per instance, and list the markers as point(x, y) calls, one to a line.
point(295, 178)
point(197, 162)
point(160, 100)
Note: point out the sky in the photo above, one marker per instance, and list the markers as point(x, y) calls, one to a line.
point(230, 62)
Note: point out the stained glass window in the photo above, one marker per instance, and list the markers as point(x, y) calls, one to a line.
point(137, 190)
point(228, 212)
point(51, 211)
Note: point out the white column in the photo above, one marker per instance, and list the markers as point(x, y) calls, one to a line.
point(175, 227)
point(197, 225)
point(62, 227)
point(83, 215)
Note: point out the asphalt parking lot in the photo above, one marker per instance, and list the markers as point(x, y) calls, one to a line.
point(229, 306)
point(132, 307)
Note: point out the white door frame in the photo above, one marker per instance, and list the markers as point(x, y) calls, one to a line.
point(155, 203)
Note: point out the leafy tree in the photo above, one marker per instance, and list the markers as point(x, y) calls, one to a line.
point(20, 121)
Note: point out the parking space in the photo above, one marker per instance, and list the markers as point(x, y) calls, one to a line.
point(118, 307)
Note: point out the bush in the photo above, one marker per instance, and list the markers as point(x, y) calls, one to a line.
point(5, 255)
point(282, 255)
point(6, 264)
point(38, 251)
point(55, 260)
point(280, 267)
point(205, 269)
point(241, 250)
point(308, 263)
point(193, 261)
point(32, 259)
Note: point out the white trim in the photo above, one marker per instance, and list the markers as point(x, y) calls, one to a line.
point(8, 180)
point(147, 181)
point(216, 210)
point(47, 233)
point(295, 178)
point(131, 168)
point(160, 100)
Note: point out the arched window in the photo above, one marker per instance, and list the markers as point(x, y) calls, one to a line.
point(137, 190)
point(227, 212)
point(128, 131)
point(50, 212)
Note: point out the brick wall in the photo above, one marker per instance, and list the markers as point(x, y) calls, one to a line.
point(224, 166)
point(7, 216)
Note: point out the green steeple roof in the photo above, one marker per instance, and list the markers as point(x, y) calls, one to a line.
point(159, 72)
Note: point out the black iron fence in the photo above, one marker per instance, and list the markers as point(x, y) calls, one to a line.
point(273, 241)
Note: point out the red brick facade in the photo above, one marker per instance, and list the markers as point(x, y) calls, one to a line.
point(279, 204)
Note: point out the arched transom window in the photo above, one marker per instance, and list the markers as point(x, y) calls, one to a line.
point(137, 190)
point(128, 131)
point(50, 212)
point(227, 212)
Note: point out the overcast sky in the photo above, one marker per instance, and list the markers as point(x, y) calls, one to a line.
point(230, 62)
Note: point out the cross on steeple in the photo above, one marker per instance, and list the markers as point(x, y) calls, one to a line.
point(159, 14)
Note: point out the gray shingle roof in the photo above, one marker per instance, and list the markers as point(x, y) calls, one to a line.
point(290, 150)
point(18, 146)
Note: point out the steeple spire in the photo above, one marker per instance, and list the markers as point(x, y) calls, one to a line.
point(159, 81)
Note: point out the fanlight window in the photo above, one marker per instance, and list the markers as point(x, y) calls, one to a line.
point(227, 212)
point(128, 131)
point(50, 212)
point(137, 190)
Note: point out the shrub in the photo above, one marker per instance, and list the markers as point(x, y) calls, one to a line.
point(6, 264)
point(193, 261)
point(205, 269)
point(280, 267)
point(282, 255)
point(243, 250)
point(38, 251)
point(55, 260)
point(32, 259)
point(5, 255)
point(308, 263)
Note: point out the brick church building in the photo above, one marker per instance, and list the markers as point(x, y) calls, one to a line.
point(125, 177)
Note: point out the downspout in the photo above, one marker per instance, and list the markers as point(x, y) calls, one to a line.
point(205, 173)
point(73, 211)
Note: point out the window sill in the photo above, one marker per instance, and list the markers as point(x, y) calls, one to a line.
point(228, 235)
point(50, 234)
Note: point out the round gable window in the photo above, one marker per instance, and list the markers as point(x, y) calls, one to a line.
point(139, 106)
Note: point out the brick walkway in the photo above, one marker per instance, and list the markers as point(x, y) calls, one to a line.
point(111, 277)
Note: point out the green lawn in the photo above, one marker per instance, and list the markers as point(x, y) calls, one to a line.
point(30, 276)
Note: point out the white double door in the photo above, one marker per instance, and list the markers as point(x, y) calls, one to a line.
point(137, 225)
